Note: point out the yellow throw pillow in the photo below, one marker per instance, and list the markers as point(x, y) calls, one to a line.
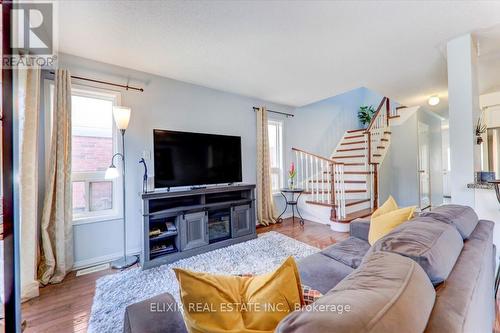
point(388, 206)
point(383, 224)
point(220, 303)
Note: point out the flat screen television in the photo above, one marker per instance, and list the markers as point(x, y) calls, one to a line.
point(195, 159)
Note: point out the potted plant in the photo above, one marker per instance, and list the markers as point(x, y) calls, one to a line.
point(365, 114)
point(291, 176)
point(480, 130)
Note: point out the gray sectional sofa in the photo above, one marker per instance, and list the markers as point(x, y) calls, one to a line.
point(432, 274)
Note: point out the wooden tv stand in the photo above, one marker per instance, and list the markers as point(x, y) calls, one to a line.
point(180, 224)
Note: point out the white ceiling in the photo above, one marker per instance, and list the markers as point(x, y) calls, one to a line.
point(294, 52)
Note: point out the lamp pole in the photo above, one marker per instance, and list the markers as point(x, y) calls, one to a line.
point(122, 118)
point(126, 261)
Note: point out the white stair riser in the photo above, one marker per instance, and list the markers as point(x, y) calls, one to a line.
point(363, 152)
point(351, 160)
point(354, 168)
point(362, 195)
point(344, 139)
point(352, 146)
point(350, 186)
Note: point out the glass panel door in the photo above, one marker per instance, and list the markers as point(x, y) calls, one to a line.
point(424, 166)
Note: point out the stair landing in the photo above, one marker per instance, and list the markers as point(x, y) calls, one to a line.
point(352, 216)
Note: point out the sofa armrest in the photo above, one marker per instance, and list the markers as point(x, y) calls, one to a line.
point(359, 228)
point(158, 314)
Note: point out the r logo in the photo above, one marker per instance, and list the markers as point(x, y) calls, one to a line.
point(32, 30)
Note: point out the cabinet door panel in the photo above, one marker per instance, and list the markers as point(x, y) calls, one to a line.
point(241, 221)
point(194, 232)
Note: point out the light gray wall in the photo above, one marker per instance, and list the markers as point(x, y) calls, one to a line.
point(165, 104)
point(398, 175)
point(398, 172)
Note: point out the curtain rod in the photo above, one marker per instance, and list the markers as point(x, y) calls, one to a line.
point(127, 87)
point(288, 115)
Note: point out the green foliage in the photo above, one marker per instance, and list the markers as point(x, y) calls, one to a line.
point(365, 114)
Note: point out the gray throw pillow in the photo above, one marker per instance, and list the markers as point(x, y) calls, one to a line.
point(435, 246)
point(462, 217)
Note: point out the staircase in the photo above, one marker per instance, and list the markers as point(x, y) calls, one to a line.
point(345, 184)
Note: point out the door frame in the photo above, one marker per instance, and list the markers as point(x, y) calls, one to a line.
point(12, 295)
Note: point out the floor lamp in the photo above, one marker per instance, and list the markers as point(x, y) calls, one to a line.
point(122, 118)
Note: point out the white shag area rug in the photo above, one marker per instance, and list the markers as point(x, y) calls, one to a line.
point(116, 291)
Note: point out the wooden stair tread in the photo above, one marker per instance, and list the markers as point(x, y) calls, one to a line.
point(396, 116)
point(381, 147)
point(355, 215)
point(345, 181)
point(354, 136)
point(349, 156)
point(356, 130)
point(355, 191)
point(377, 155)
point(348, 202)
point(384, 139)
point(353, 164)
point(350, 149)
point(387, 132)
point(352, 143)
point(351, 172)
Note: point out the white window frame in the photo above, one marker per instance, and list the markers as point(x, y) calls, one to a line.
point(98, 216)
point(279, 170)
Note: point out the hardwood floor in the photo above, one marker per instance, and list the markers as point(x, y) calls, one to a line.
point(65, 307)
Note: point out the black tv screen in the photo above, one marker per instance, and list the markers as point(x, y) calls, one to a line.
point(193, 159)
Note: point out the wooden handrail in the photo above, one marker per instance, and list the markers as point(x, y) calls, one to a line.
point(376, 114)
point(317, 156)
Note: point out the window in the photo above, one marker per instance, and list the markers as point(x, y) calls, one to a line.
point(93, 145)
point(275, 130)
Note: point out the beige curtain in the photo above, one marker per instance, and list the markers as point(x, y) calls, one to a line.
point(56, 224)
point(29, 104)
point(265, 204)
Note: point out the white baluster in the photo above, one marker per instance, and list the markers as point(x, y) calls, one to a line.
point(296, 172)
point(322, 181)
point(302, 169)
point(316, 178)
point(329, 183)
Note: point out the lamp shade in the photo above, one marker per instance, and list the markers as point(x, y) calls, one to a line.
point(111, 173)
point(122, 116)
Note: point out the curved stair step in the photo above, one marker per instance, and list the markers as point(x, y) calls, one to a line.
point(352, 216)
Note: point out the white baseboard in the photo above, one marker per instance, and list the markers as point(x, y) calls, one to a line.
point(102, 259)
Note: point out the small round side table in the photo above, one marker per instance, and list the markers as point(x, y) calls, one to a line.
point(291, 201)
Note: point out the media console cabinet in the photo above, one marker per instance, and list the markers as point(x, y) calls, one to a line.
point(180, 224)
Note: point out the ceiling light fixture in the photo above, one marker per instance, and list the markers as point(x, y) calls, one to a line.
point(433, 100)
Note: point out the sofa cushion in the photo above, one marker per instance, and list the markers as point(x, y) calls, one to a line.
point(349, 252)
point(322, 272)
point(463, 218)
point(466, 302)
point(432, 244)
point(387, 293)
point(158, 314)
point(360, 228)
